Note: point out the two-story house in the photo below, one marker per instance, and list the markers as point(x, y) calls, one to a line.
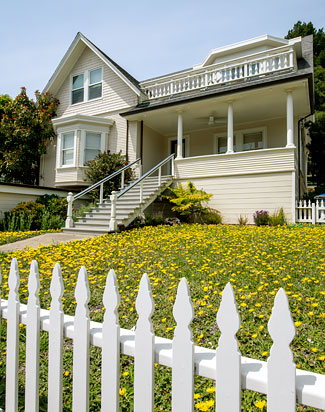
point(234, 121)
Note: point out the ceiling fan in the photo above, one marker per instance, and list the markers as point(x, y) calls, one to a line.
point(212, 120)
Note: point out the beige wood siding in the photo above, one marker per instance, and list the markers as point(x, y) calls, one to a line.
point(245, 194)
point(11, 195)
point(48, 165)
point(251, 162)
point(116, 93)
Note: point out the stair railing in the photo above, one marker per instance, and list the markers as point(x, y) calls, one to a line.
point(71, 198)
point(115, 196)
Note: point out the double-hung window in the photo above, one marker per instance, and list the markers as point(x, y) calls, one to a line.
point(95, 84)
point(67, 149)
point(93, 143)
point(87, 86)
point(77, 89)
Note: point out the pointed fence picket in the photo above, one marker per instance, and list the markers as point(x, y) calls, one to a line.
point(308, 212)
point(279, 379)
point(56, 322)
point(32, 341)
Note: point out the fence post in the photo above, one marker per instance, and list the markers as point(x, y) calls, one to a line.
point(112, 223)
point(313, 213)
point(101, 193)
point(69, 220)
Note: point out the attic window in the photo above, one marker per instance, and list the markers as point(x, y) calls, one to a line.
point(95, 84)
point(87, 86)
point(77, 89)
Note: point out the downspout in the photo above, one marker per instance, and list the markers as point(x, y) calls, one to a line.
point(127, 142)
point(299, 149)
point(141, 141)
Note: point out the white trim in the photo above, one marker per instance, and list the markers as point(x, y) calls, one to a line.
point(187, 145)
point(81, 38)
point(239, 137)
point(82, 119)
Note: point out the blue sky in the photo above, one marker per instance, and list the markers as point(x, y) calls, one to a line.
point(147, 38)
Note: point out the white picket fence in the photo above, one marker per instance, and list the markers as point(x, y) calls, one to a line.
point(308, 212)
point(278, 378)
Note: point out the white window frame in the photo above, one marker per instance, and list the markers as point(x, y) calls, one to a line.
point(86, 74)
point(60, 151)
point(239, 135)
point(187, 145)
point(83, 142)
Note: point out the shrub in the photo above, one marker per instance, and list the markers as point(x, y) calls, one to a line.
point(242, 220)
point(191, 203)
point(103, 165)
point(46, 212)
point(261, 217)
point(278, 218)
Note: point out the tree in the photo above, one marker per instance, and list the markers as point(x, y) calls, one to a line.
point(316, 146)
point(317, 149)
point(25, 130)
point(102, 166)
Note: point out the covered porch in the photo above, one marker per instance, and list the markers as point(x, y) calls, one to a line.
point(243, 147)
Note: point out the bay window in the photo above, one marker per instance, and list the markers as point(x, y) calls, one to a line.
point(93, 144)
point(67, 149)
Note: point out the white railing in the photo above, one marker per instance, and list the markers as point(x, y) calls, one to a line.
point(278, 378)
point(308, 212)
point(258, 64)
point(115, 196)
point(71, 197)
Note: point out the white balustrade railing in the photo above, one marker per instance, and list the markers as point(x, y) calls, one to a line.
point(279, 59)
point(278, 378)
point(308, 212)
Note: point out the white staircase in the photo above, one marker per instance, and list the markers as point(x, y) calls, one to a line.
point(128, 207)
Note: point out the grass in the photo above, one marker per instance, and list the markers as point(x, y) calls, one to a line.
point(10, 237)
point(256, 260)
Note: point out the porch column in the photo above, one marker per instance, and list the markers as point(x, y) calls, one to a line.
point(230, 132)
point(179, 136)
point(290, 130)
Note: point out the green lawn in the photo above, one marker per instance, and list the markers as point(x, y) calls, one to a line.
point(256, 260)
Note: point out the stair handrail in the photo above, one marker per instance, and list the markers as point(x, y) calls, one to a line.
point(141, 178)
point(114, 196)
point(71, 197)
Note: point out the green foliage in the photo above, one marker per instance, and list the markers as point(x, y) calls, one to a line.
point(47, 212)
point(278, 218)
point(4, 100)
point(316, 149)
point(25, 130)
point(81, 212)
point(261, 218)
point(191, 203)
point(242, 220)
point(103, 165)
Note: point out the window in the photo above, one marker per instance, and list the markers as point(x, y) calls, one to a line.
point(222, 142)
point(93, 143)
point(87, 86)
point(95, 84)
point(67, 150)
point(77, 89)
point(253, 141)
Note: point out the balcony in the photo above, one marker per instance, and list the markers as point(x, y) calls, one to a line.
point(280, 59)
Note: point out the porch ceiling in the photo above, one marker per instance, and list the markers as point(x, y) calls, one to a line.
point(250, 106)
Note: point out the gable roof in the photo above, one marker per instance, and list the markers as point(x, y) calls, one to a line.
point(75, 50)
